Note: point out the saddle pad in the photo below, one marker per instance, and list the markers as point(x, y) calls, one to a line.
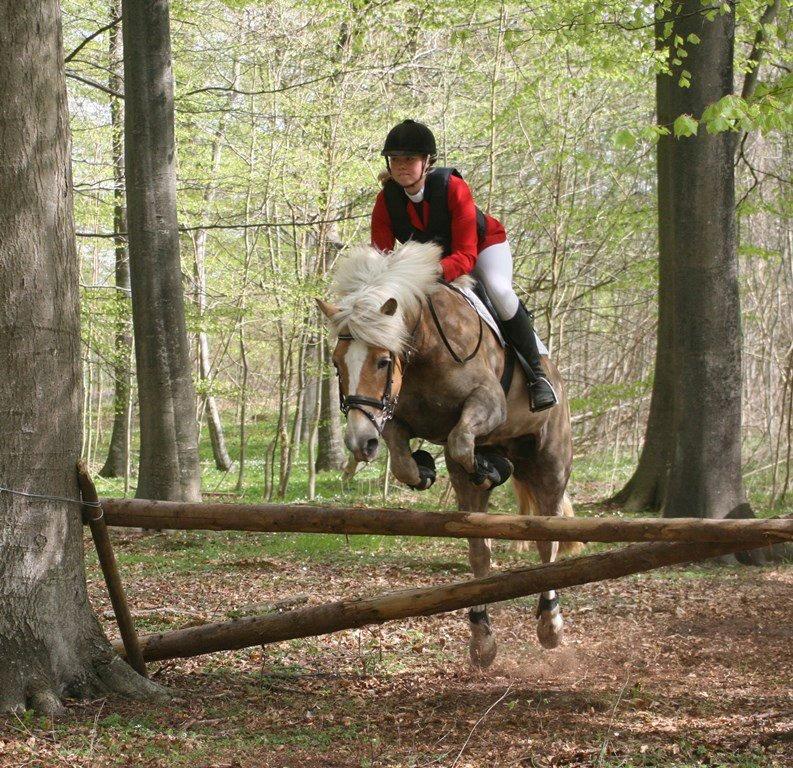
point(481, 310)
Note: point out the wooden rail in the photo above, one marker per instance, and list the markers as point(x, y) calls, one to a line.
point(272, 518)
point(348, 614)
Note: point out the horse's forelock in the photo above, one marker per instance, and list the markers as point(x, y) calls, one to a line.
point(365, 279)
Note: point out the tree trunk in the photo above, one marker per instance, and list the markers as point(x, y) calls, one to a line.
point(169, 467)
point(51, 644)
point(330, 446)
point(116, 462)
point(705, 475)
point(691, 461)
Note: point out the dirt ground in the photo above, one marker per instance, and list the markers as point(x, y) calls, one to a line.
point(681, 667)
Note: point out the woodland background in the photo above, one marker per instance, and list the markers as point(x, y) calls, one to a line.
point(281, 109)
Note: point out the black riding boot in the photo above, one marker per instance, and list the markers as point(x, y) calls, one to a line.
point(520, 333)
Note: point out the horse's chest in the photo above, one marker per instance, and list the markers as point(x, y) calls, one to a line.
point(430, 415)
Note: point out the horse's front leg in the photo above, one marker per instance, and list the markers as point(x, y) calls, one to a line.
point(483, 411)
point(482, 646)
point(403, 465)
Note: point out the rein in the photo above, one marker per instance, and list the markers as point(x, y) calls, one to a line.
point(436, 320)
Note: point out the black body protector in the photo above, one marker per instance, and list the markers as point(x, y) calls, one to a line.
point(439, 226)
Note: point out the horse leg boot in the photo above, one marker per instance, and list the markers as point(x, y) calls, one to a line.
point(520, 333)
point(484, 410)
point(482, 646)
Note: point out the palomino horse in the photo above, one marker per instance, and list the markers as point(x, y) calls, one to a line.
point(413, 361)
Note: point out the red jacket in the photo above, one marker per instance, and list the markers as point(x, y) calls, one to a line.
point(466, 245)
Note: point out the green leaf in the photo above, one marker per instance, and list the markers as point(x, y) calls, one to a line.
point(623, 139)
point(685, 125)
point(694, 39)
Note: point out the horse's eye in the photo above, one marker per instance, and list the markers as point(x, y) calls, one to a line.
point(383, 362)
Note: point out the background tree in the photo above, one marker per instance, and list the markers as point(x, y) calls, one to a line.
point(169, 466)
point(117, 462)
point(51, 644)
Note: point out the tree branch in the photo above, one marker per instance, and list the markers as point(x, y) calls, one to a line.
point(89, 38)
point(94, 84)
point(750, 81)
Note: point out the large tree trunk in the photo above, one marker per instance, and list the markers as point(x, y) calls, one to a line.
point(51, 645)
point(691, 461)
point(705, 475)
point(117, 459)
point(169, 467)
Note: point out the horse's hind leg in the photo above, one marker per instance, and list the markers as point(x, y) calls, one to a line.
point(539, 494)
point(482, 646)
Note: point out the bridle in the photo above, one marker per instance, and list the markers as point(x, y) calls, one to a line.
point(386, 404)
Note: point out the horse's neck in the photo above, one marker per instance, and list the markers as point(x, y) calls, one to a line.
point(458, 321)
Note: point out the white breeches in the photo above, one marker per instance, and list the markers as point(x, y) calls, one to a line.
point(494, 270)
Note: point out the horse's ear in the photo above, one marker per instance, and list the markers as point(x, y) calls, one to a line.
point(329, 310)
point(390, 307)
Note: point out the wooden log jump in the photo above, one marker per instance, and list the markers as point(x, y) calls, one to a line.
point(293, 518)
point(425, 601)
point(107, 562)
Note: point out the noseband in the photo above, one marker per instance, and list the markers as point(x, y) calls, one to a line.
point(386, 404)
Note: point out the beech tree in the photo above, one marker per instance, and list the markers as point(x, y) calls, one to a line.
point(169, 467)
point(51, 644)
point(691, 460)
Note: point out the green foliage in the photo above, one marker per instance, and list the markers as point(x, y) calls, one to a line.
point(685, 125)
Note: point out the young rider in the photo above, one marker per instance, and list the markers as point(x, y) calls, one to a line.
point(426, 203)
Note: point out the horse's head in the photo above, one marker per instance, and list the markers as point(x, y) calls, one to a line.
point(370, 378)
point(379, 301)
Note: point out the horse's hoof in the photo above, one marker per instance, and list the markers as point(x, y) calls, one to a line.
point(483, 651)
point(482, 647)
point(426, 465)
point(550, 629)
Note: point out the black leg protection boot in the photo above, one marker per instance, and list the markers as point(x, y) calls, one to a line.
point(520, 333)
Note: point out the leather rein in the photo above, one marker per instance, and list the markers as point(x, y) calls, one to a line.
point(387, 403)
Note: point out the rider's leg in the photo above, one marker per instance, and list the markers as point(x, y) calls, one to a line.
point(494, 270)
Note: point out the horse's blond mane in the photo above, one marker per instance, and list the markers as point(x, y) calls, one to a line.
point(365, 279)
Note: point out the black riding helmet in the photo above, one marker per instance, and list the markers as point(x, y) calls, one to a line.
point(410, 138)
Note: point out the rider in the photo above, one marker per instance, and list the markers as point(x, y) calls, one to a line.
point(425, 203)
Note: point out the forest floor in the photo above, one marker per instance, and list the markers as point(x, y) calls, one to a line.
point(681, 667)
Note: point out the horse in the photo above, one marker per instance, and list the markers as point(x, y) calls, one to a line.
point(414, 361)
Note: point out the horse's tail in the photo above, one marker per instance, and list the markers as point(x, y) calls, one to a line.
point(528, 506)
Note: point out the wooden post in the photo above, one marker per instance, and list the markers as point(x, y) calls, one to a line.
point(425, 601)
point(94, 516)
point(172, 515)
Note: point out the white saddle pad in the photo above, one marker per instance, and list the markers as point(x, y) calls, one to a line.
point(481, 310)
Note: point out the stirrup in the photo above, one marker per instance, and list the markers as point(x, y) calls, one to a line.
point(541, 395)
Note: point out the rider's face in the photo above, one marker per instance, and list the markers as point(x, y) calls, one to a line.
point(407, 170)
